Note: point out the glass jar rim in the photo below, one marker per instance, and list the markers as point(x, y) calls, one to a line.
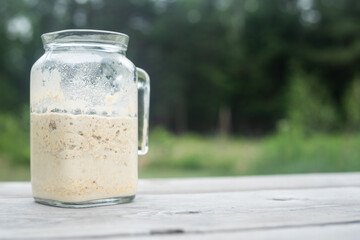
point(86, 36)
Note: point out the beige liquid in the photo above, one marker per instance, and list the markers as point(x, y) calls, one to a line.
point(76, 158)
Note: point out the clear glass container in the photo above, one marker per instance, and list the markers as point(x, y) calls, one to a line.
point(89, 119)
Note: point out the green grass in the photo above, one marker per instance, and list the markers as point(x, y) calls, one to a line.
point(290, 152)
point(11, 172)
point(191, 155)
point(319, 153)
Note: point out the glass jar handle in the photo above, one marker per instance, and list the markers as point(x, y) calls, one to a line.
point(143, 80)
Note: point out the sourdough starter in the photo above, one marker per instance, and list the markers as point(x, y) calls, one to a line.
point(76, 158)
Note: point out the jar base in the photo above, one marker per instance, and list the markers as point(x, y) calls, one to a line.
point(86, 204)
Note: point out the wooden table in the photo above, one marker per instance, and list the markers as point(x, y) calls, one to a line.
point(316, 206)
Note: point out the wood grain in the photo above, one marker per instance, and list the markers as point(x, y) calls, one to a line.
point(218, 184)
point(233, 184)
point(175, 209)
point(348, 232)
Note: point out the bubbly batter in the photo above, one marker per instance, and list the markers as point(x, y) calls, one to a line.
point(76, 158)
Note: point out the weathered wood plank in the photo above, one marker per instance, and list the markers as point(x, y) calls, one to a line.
point(249, 183)
point(186, 214)
point(219, 184)
point(332, 232)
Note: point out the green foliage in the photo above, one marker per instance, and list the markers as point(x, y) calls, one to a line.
point(196, 155)
point(289, 151)
point(8, 95)
point(309, 105)
point(286, 153)
point(15, 138)
point(352, 105)
point(222, 53)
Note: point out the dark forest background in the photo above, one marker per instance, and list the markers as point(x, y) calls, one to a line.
point(245, 68)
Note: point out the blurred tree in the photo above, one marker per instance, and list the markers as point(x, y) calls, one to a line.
point(352, 105)
point(216, 65)
point(309, 105)
point(269, 39)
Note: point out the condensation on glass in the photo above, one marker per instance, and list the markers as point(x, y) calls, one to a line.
point(89, 119)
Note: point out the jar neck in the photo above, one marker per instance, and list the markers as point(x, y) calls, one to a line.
point(86, 40)
point(85, 46)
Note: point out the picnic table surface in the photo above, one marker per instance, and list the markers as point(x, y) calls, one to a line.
point(306, 206)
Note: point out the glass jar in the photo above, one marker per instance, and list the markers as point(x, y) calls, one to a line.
point(86, 127)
